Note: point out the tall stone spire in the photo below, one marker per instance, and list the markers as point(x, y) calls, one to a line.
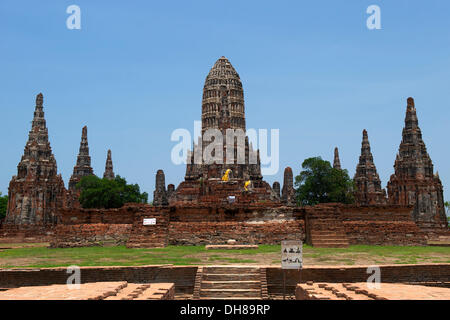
point(413, 182)
point(109, 173)
point(337, 161)
point(222, 109)
point(83, 167)
point(160, 193)
point(223, 98)
point(288, 192)
point(368, 183)
point(223, 145)
point(37, 191)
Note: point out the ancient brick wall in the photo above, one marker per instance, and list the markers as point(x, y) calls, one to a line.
point(202, 233)
point(183, 277)
point(150, 236)
point(95, 227)
point(88, 235)
point(412, 274)
point(124, 215)
point(381, 225)
point(255, 224)
point(10, 233)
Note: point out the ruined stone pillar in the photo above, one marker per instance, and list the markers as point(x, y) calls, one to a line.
point(160, 194)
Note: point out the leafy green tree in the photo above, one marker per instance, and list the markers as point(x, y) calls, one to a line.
point(319, 182)
point(105, 193)
point(3, 205)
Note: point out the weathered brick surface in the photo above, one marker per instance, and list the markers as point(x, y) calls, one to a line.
point(409, 274)
point(328, 224)
point(361, 291)
point(381, 225)
point(87, 235)
point(182, 277)
point(150, 236)
point(26, 233)
point(201, 233)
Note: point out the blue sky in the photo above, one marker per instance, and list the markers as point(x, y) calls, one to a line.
point(135, 72)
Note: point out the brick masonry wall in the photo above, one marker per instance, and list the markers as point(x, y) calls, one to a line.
point(389, 273)
point(381, 225)
point(187, 225)
point(198, 225)
point(150, 236)
point(184, 276)
point(26, 233)
point(88, 235)
point(267, 232)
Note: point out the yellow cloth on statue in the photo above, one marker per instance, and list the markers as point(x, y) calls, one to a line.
point(247, 183)
point(225, 176)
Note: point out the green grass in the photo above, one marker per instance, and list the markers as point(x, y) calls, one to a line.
point(40, 256)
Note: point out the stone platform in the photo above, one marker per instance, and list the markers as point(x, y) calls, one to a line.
point(121, 290)
point(231, 247)
point(361, 291)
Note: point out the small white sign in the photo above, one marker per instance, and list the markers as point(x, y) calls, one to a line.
point(149, 221)
point(291, 254)
point(231, 199)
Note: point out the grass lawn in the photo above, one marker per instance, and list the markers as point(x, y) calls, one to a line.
point(38, 255)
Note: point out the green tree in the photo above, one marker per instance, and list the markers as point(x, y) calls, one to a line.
point(319, 182)
point(3, 205)
point(105, 193)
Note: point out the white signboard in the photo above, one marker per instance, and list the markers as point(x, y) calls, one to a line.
point(291, 254)
point(149, 221)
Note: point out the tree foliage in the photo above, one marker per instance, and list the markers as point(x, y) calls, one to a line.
point(105, 193)
point(3, 205)
point(319, 182)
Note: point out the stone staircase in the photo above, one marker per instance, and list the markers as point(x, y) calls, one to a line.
point(230, 282)
point(325, 229)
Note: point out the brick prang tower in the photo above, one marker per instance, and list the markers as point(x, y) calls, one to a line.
point(37, 191)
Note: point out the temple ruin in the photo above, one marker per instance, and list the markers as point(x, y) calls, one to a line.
point(37, 192)
point(367, 182)
point(224, 196)
point(414, 182)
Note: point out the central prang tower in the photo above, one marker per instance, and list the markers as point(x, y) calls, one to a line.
point(223, 108)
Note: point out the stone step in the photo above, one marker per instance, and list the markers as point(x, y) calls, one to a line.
point(230, 270)
point(230, 277)
point(252, 284)
point(231, 293)
point(130, 292)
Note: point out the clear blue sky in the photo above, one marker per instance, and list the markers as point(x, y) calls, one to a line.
point(135, 72)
